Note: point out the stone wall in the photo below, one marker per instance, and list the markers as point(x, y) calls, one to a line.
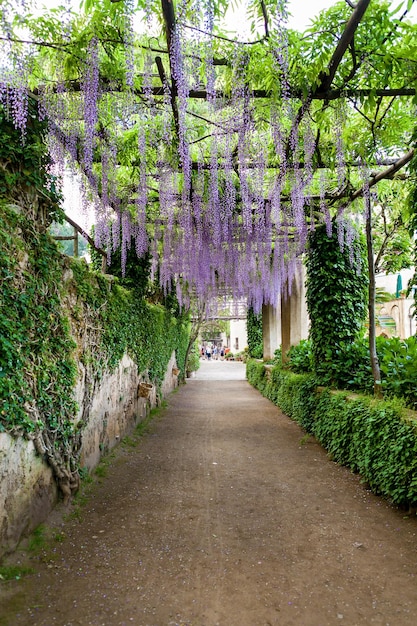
point(27, 490)
point(396, 318)
point(116, 405)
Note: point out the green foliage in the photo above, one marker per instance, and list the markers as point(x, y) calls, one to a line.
point(256, 373)
point(293, 393)
point(193, 361)
point(277, 359)
point(336, 295)
point(37, 368)
point(254, 330)
point(398, 252)
point(300, 357)
point(398, 364)
point(136, 271)
point(392, 240)
point(381, 295)
point(373, 438)
point(350, 367)
point(24, 164)
point(212, 329)
point(38, 539)
point(37, 365)
point(377, 439)
point(372, 126)
point(157, 335)
point(14, 572)
point(147, 332)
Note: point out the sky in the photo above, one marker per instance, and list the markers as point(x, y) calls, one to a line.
point(302, 11)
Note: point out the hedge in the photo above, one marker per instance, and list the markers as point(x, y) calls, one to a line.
point(375, 438)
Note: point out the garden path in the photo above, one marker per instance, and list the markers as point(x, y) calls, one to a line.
point(225, 514)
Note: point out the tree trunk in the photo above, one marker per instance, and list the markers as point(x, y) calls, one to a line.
point(195, 329)
point(371, 304)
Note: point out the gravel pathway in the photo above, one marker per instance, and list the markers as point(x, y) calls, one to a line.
point(222, 514)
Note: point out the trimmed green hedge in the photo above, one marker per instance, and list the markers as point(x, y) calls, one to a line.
point(375, 438)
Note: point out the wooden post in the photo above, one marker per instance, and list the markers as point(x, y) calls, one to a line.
point(376, 373)
point(75, 242)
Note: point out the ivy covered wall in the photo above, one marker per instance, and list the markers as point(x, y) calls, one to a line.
point(59, 320)
point(57, 315)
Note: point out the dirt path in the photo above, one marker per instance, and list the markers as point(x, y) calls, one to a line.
point(222, 515)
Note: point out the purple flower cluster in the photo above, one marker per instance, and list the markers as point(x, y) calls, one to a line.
point(323, 204)
point(129, 38)
point(340, 120)
point(91, 98)
point(230, 224)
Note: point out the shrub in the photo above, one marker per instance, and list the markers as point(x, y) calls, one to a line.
point(277, 360)
point(300, 357)
point(349, 366)
point(336, 293)
point(193, 362)
point(398, 364)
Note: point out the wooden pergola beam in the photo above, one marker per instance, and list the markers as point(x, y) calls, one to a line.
point(201, 94)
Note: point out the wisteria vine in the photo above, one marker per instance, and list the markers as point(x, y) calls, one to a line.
point(215, 220)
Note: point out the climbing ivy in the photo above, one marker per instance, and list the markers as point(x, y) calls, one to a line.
point(38, 370)
point(47, 299)
point(336, 294)
point(148, 333)
point(24, 170)
point(254, 330)
point(37, 366)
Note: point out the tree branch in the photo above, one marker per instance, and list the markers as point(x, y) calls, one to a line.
point(172, 92)
point(201, 94)
point(326, 78)
point(265, 16)
point(85, 235)
point(388, 173)
point(221, 37)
